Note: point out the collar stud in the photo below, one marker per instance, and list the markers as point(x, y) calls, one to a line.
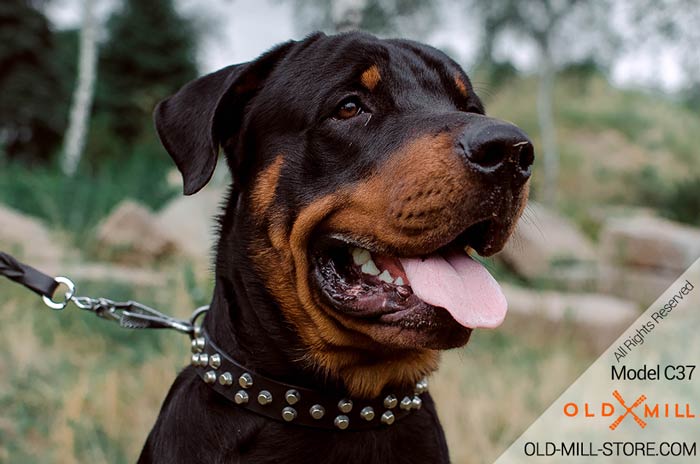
point(198, 345)
point(264, 397)
point(292, 396)
point(416, 402)
point(289, 413)
point(245, 380)
point(210, 377)
point(367, 413)
point(226, 379)
point(345, 405)
point(317, 411)
point(241, 397)
point(215, 361)
point(342, 422)
point(388, 418)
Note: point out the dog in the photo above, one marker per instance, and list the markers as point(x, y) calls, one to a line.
point(363, 170)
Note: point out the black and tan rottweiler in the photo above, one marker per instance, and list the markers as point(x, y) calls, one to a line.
point(363, 172)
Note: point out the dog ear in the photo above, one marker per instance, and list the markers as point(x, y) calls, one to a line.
point(205, 113)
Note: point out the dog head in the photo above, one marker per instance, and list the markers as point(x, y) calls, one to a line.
point(365, 168)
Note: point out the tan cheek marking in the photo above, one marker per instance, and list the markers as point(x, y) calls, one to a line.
point(371, 77)
point(403, 196)
point(264, 190)
point(461, 86)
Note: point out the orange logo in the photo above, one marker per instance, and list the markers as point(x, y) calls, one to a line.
point(610, 410)
point(628, 410)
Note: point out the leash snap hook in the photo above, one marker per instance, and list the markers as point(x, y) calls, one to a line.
point(60, 305)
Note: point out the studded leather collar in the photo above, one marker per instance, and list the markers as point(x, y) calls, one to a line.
point(293, 404)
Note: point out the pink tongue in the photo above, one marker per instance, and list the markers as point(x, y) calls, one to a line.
point(460, 285)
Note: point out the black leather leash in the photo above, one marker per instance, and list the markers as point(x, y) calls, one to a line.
point(34, 280)
point(243, 387)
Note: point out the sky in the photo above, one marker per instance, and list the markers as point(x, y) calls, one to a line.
point(240, 30)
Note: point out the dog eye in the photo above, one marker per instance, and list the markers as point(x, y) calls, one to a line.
point(348, 108)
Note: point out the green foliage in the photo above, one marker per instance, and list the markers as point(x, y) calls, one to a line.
point(691, 97)
point(682, 202)
point(625, 117)
point(33, 107)
point(678, 200)
point(150, 53)
point(499, 73)
point(650, 189)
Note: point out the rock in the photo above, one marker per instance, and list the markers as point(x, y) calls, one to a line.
point(190, 223)
point(597, 215)
point(131, 233)
point(28, 239)
point(574, 277)
point(641, 285)
point(650, 242)
point(602, 318)
point(546, 245)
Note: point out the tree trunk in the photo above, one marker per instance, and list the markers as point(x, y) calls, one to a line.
point(545, 114)
point(84, 91)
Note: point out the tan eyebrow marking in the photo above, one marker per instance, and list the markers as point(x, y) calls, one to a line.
point(461, 86)
point(371, 77)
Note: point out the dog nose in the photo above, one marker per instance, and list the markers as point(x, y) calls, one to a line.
point(492, 146)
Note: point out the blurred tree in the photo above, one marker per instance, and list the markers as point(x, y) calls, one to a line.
point(670, 26)
point(84, 89)
point(149, 54)
point(32, 103)
point(376, 16)
point(561, 31)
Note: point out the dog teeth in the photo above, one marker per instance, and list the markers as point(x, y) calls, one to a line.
point(386, 277)
point(363, 258)
point(370, 268)
point(360, 256)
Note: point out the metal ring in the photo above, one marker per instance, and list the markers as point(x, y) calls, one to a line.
point(193, 319)
point(66, 298)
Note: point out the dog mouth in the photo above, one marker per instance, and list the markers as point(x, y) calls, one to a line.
point(444, 286)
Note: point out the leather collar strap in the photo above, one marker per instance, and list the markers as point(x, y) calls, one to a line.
point(297, 405)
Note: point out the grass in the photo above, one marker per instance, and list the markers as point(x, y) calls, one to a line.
point(79, 389)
